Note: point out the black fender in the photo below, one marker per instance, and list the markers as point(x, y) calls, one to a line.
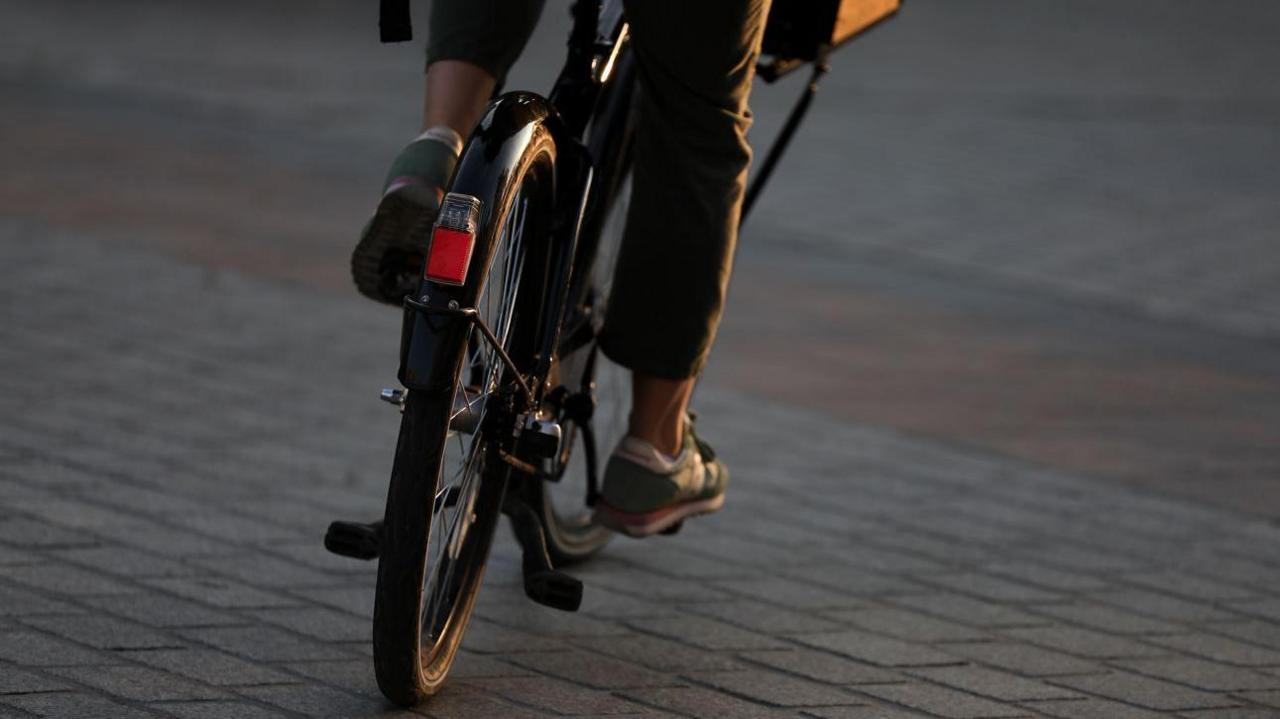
point(516, 129)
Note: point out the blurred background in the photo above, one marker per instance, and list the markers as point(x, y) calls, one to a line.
point(1046, 229)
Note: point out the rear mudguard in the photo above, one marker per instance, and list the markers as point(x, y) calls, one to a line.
point(432, 342)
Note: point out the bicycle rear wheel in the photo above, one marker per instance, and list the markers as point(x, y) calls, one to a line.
point(447, 482)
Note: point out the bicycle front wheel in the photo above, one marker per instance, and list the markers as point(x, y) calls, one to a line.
point(447, 482)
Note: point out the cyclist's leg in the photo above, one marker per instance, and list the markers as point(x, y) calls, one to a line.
point(696, 63)
point(470, 47)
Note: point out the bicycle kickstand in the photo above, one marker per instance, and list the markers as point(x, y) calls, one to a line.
point(543, 583)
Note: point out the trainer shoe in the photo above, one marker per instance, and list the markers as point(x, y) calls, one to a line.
point(387, 261)
point(646, 492)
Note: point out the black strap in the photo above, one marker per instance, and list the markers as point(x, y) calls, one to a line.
point(394, 24)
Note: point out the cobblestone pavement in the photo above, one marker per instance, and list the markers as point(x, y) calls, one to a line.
point(1042, 257)
point(174, 439)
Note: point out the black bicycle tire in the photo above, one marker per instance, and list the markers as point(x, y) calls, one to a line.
point(397, 616)
point(399, 665)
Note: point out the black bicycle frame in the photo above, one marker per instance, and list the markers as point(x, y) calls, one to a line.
point(431, 340)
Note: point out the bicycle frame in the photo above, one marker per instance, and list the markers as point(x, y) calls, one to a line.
point(433, 323)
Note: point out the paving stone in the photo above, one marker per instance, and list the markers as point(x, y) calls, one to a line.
point(853, 582)
point(1039, 575)
point(355, 675)
point(1024, 659)
point(34, 649)
point(533, 618)
point(71, 705)
point(314, 700)
point(357, 600)
point(1164, 606)
point(992, 683)
point(823, 667)
point(53, 475)
point(875, 649)
point(124, 562)
point(211, 667)
point(1258, 632)
point(1238, 713)
point(655, 587)
point(882, 711)
point(216, 710)
point(324, 624)
point(705, 633)
point(660, 654)
point(703, 703)
point(159, 610)
point(17, 602)
point(67, 580)
point(909, 625)
point(1144, 691)
point(1107, 619)
point(1221, 649)
point(161, 539)
point(592, 669)
point(553, 695)
point(469, 665)
point(675, 562)
point(941, 701)
point(1093, 709)
point(23, 532)
point(19, 681)
point(264, 644)
point(1084, 642)
point(266, 571)
point(991, 588)
point(138, 683)
point(752, 615)
point(769, 687)
point(1267, 608)
point(599, 602)
point(103, 632)
point(220, 592)
point(466, 703)
point(11, 556)
point(1190, 587)
point(1200, 673)
point(968, 610)
point(1267, 698)
point(789, 593)
point(488, 638)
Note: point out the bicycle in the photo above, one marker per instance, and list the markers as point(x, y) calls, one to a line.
point(498, 358)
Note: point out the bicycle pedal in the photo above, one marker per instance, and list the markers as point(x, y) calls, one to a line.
point(554, 589)
point(673, 528)
point(354, 539)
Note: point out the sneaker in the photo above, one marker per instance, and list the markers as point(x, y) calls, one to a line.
point(387, 261)
point(646, 492)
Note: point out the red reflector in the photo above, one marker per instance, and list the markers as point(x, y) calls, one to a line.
point(449, 255)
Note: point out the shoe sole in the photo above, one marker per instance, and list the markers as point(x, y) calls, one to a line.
point(401, 221)
point(649, 523)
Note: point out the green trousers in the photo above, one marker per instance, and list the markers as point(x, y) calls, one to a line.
point(696, 60)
